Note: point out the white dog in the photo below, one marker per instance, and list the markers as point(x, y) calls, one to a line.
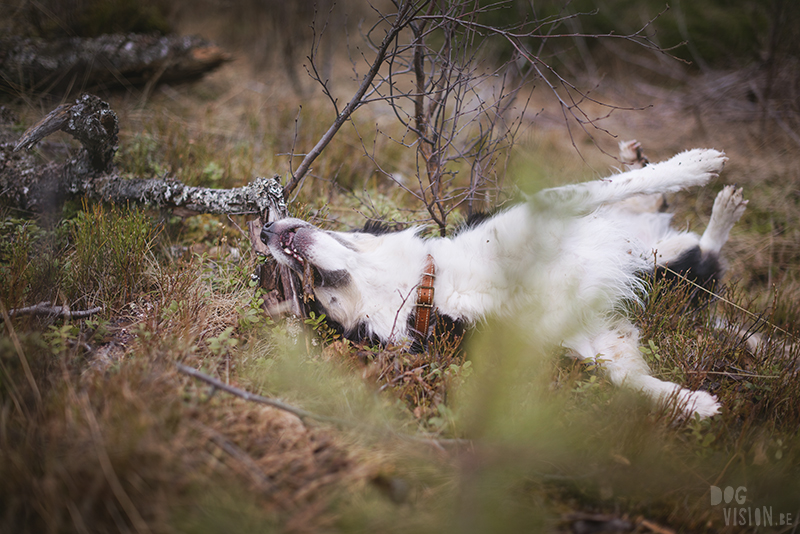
point(562, 265)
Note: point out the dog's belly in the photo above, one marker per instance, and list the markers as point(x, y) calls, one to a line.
point(553, 275)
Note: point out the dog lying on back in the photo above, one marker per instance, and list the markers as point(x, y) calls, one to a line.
point(563, 265)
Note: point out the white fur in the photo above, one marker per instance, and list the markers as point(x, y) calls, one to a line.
point(567, 252)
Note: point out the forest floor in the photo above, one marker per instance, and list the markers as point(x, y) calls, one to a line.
point(100, 430)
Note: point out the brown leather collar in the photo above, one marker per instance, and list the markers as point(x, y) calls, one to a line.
point(424, 305)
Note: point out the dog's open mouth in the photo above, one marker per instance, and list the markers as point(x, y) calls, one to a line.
point(288, 247)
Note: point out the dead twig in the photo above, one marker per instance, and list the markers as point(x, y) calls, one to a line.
point(437, 443)
point(111, 60)
point(251, 397)
point(89, 120)
point(91, 173)
point(44, 308)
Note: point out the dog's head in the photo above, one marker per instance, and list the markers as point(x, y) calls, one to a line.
point(362, 281)
point(296, 244)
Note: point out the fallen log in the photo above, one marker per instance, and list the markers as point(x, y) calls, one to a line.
point(91, 173)
point(29, 65)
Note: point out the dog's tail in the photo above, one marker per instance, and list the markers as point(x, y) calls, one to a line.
point(687, 169)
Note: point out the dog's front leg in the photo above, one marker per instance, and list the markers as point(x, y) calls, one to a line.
point(728, 208)
point(687, 169)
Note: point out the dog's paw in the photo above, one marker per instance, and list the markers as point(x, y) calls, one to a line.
point(699, 165)
point(630, 153)
point(697, 402)
point(668, 395)
point(729, 205)
point(728, 208)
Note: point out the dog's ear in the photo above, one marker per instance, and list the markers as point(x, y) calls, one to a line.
point(380, 227)
point(474, 220)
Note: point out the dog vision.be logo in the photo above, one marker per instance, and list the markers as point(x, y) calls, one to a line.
point(737, 514)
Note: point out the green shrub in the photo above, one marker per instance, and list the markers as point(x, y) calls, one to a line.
point(110, 255)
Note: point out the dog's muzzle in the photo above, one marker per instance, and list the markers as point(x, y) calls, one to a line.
point(266, 233)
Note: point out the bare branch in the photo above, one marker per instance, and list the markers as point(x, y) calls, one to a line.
point(251, 397)
point(311, 68)
point(110, 60)
point(89, 120)
point(453, 119)
point(404, 16)
point(44, 308)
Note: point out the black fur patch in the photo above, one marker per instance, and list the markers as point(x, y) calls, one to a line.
point(704, 270)
point(476, 219)
point(359, 335)
point(445, 328)
point(380, 227)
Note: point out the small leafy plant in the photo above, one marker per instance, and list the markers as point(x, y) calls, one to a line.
point(318, 324)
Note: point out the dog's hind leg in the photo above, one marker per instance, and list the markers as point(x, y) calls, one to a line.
point(617, 351)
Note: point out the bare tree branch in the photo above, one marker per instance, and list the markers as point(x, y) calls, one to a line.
point(44, 308)
point(89, 120)
point(92, 174)
point(403, 17)
point(251, 397)
point(459, 110)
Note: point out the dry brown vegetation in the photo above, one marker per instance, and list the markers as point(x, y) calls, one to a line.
point(101, 432)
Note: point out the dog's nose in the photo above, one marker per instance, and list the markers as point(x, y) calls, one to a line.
point(266, 233)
